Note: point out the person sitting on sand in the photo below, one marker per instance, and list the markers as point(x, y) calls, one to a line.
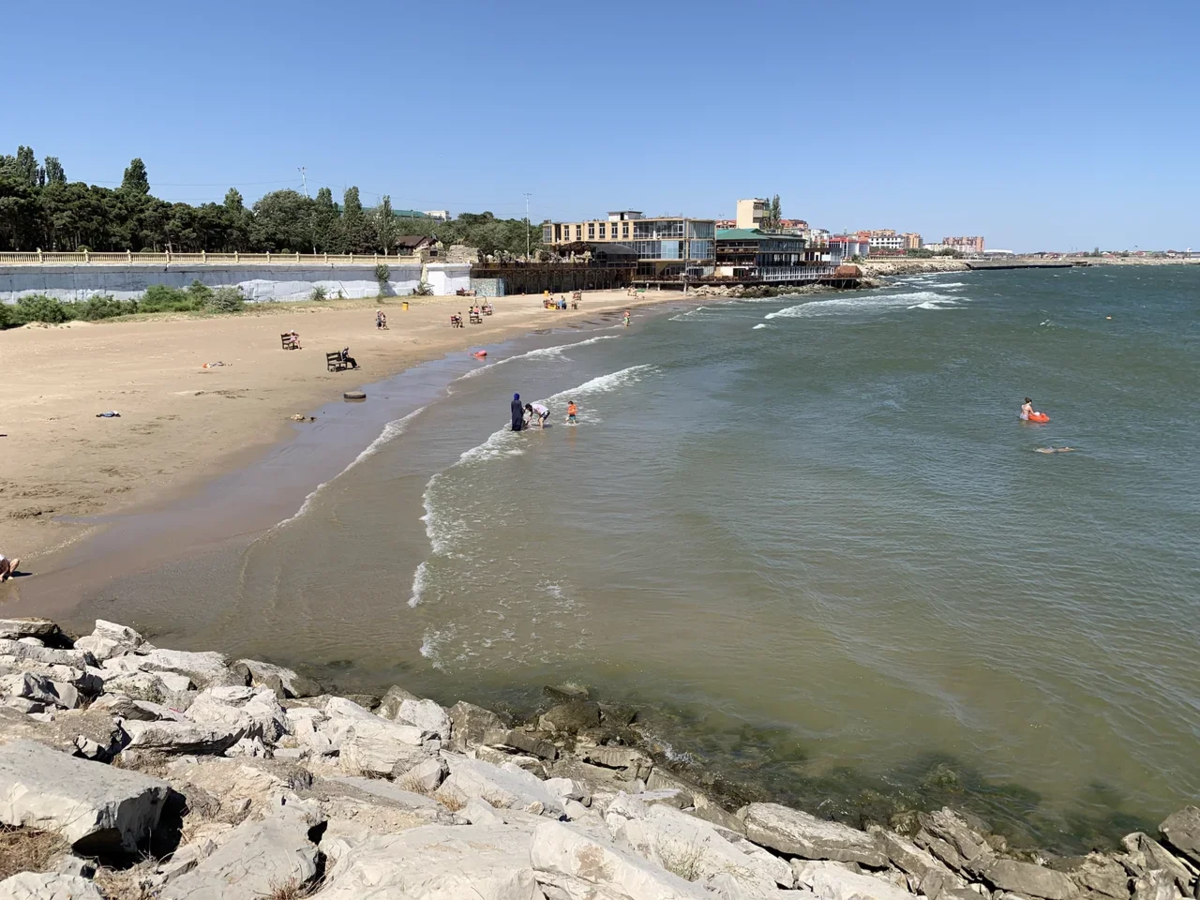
point(8, 567)
point(380, 319)
point(1053, 449)
point(294, 340)
point(348, 359)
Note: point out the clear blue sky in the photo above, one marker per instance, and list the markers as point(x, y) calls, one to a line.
point(1049, 124)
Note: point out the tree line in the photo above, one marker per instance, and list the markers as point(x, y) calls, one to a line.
point(41, 210)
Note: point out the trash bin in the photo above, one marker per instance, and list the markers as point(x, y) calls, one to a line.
point(404, 305)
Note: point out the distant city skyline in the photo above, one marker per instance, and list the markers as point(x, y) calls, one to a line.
point(1039, 126)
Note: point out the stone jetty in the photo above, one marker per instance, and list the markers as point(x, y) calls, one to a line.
point(131, 771)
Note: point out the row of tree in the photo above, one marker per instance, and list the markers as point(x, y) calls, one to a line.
point(40, 209)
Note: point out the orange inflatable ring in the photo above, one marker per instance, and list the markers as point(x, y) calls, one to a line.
point(480, 354)
point(1039, 417)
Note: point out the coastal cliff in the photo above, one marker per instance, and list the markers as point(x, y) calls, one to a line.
point(131, 771)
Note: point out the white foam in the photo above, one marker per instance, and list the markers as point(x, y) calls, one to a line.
point(539, 353)
point(936, 304)
point(837, 306)
point(391, 431)
point(418, 585)
point(760, 325)
point(603, 384)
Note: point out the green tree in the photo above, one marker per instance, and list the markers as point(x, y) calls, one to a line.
point(385, 224)
point(776, 212)
point(352, 226)
point(233, 201)
point(282, 221)
point(54, 171)
point(135, 178)
point(325, 222)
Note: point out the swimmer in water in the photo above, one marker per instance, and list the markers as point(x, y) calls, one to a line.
point(1026, 410)
point(1053, 449)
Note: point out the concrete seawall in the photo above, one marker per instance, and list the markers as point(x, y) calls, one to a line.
point(260, 283)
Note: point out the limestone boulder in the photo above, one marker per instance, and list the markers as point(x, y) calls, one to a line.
point(1156, 884)
point(283, 681)
point(109, 639)
point(633, 762)
point(691, 847)
point(793, 832)
point(569, 789)
point(76, 659)
point(48, 886)
point(39, 689)
point(381, 748)
point(507, 787)
point(256, 859)
point(830, 881)
point(568, 851)
point(44, 630)
point(1029, 880)
point(469, 724)
point(1097, 873)
point(389, 706)
point(1146, 854)
point(425, 715)
point(425, 777)
point(95, 807)
point(204, 669)
point(434, 862)
point(955, 840)
point(182, 737)
point(1182, 832)
point(529, 742)
point(908, 857)
point(255, 710)
point(571, 718)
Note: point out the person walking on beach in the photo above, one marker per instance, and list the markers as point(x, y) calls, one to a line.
point(518, 413)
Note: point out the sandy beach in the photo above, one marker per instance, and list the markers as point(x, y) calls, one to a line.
point(181, 423)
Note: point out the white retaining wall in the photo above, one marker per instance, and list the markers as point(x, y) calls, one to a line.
point(258, 282)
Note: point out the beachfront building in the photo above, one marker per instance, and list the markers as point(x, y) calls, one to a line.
point(886, 240)
point(751, 254)
point(844, 247)
point(750, 213)
point(912, 240)
point(667, 247)
point(971, 246)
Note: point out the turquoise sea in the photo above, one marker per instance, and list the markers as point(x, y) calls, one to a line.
point(810, 534)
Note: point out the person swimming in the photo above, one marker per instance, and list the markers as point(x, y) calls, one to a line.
point(1054, 450)
point(1026, 410)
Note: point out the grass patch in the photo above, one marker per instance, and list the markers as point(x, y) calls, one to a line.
point(27, 850)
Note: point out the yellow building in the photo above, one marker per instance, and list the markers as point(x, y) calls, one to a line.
point(750, 213)
point(666, 246)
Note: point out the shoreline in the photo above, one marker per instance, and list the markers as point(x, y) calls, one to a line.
point(138, 769)
point(182, 426)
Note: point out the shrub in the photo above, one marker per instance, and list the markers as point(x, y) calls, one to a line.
point(226, 300)
point(93, 309)
point(7, 318)
point(161, 298)
point(382, 273)
point(423, 289)
point(40, 308)
point(318, 293)
point(201, 292)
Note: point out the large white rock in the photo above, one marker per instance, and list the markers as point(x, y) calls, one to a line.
point(202, 668)
point(77, 659)
point(39, 689)
point(798, 833)
point(255, 710)
point(830, 881)
point(270, 675)
point(380, 747)
point(506, 787)
point(425, 776)
point(15, 629)
point(426, 715)
point(559, 849)
point(434, 862)
point(182, 737)
point(110, 639)
point(48, 886)
point(93, 806)
point(690, 847)
point(255, 860)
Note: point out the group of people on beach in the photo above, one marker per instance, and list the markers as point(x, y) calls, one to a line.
point(528, 414)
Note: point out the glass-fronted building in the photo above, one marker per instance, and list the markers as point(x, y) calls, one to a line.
point(667, 247)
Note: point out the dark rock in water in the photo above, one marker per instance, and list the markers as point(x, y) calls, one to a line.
point(572, 718)
point(951, 837)
point(1182, 831)
point(526, 741)
point(565, 692)
point(618, 714)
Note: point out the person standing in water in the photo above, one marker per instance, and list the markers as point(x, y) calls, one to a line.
point(518, 413)
point(571, 411)
point(1026, 410)
point(538, 411)
point(626, 318)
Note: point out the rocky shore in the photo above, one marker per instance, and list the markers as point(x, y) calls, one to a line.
point(131, 771)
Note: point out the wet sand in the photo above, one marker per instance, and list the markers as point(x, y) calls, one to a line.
point(182, 425)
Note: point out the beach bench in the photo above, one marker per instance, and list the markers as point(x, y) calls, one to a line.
point(288, 342)
point(456, 322)
point(476, 319)
point(334, 361)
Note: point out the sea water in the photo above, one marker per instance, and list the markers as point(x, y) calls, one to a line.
point(810, 534)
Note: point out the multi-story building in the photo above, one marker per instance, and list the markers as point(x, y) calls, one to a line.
point(722, 224)
point(750, 213)
point(793, 226)
point(912, 240)
point(667, 247)
point(750, 254)
point(886, 239)
point(844, 247)
point(442, 215)
point(968, 245)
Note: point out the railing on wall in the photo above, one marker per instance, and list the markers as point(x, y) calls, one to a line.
point(129, 258)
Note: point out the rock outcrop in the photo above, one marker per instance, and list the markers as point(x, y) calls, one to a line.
point(261, 787)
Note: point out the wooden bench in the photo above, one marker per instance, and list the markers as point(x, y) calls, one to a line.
point(288, 342)
point(476, 319)
point(334, 362)
point(456, 322)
